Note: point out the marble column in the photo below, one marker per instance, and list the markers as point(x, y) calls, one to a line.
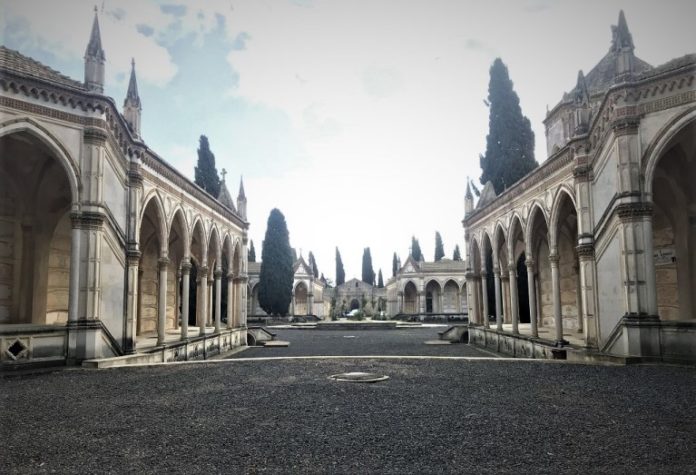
point(162, 300)
point(498, 299)
point(211, 303)
point(231, 298)
point(202, 298)
point(185, 284)
point(556, 285)
point(74, 290)
point(514, 300)
point(532, 297)
point(484, 299)
point(132, 300)
point(218, 299)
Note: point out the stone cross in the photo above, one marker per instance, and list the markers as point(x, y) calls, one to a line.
point(223, 173)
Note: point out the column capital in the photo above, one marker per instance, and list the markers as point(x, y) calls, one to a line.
point(496, 271)
point(585, 251)
point(634, 211)
point(529, 262)
point(512, 268)
point(186, 266)
point(202, 271)
point(163, 262)
point(241, 279)
point(133, 257)
point(483, 274)
point(217, 273)
point(554, 258)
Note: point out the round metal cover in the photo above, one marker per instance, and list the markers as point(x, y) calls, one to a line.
point(359, 377)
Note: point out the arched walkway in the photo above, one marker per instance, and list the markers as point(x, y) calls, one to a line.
point(433, 296)
point(300, 299)
point(410, 305)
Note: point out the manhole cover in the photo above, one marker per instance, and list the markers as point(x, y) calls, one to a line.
point(359, 377)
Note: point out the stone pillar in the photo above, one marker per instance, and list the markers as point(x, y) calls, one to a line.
point(232, 296)
point(162, 300)
point(185, 297)
point(470, 293)
point(211, 303)
point(587, 293)
point(498, 299)
point(74, 289)
point(440, 308)
point(532, 297)
point(133, 261)
point(556, 285)
point(514, 300)
point(218, 299)
point(202, 299)
point(240, 284)
point(421, 301)
point(484, 298)
point(310, 304)
point(401, 302)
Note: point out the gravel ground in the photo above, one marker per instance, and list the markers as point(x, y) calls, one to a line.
point(431, 416)
point(402, 342)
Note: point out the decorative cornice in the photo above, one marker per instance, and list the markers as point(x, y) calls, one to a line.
point(634, 211)
point(89, 220)
point(135, 175)
point(583, 173)
point(133, 257)
point(625, 125)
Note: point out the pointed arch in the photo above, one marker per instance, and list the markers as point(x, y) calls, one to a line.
point(154, 201)
point(536, 212)
point(516, 238)
point(198, 249)
point(177, 225)
point(214, 247)
point(563, 192)
point(33, 128)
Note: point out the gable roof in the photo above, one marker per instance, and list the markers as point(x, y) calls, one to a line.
point(25, 66)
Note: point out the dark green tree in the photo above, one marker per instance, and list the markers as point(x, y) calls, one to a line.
point(313, 265)
point(206, 175)
point(276, 277)
point(340, 272)
point(439, 248)
point(510, 142)
point(380, 280)
point(368, 273)
point(252, 252)
point(395, 265)
point(456, 256)
point(415, 249)
point(293, 253)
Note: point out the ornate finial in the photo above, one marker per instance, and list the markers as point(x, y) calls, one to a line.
point(223, 173)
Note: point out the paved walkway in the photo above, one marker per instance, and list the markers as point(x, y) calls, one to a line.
point(401, 342)
point(431, 416)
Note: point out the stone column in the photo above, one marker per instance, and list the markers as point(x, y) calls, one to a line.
point(177, 299)
point(231, 298)
point(421, 301)
point(202, 298)
point(587, 292)
point(74, 290)
point(240, 284)
point(162, 300)
point(133, 260)
point(556, 285)
point(498, 299)
point(484, 298)
point(211, 303)
point(401, 302)
point(185, 297)
point(532, 297)
point(514, 300)
point(310, 304)
point(471, 302)
point(218, 299)
point(440, 308)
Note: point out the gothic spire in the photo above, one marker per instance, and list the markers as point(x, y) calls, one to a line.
point(94, 47)
point(468, 195)
point(132, 94)
point(241, 200)
point(581, 92)
point(241, 195)
point(622, 37)
point(95, 59)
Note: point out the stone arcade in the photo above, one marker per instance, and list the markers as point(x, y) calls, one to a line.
point(106, 250)
point(596, 248)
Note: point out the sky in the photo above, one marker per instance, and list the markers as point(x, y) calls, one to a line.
point(359, 119)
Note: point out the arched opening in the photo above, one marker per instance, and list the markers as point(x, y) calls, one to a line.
point(476, 304)
point(238, 288)
point(301, 299)
point(432, 297)
point(254, 308)
point(568, 264)
point(450, 298)
point(213, 305)
point(410, 298)
point(35, 232)
point(354, 304)
point(199, 276)
point(538, 237)
point(674, 227)
point(502, 265)
point(490, 279)
point(177, 250)
point(148, 270)
point(523, 289)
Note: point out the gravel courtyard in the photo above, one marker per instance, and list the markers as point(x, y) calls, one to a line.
point(286, 416)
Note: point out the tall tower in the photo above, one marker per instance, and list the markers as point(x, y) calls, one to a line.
point(94, 59)
point(241, 200)
point(132, 106)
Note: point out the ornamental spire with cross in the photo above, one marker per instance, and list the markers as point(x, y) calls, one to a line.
point(223, 173)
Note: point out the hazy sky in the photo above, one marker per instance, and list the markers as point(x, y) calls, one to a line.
point(359, 119)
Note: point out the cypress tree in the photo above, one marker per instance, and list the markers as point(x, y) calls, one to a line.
point(415, 249)
point(380, 280)
point(313, 265)
point(206, 175)
point(456, 256)
point(252, 252)
point(276, 277)
point(368, 273)
point(510, 141)
point(395, 265)
point(340, 273)
point(439, 248)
